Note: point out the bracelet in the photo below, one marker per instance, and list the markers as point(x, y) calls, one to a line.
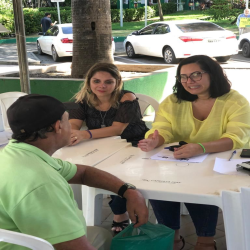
point(204, 150)
point(89, 134)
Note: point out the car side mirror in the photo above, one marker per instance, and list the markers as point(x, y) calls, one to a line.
point(135, 33)
point(40, 33)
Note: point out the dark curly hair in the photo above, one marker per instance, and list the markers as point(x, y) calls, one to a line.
point(31, 137)
point(219, 83)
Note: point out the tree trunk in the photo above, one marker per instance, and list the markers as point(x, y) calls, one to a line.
point(160, 10)
point(38, 3)
point(92, 35)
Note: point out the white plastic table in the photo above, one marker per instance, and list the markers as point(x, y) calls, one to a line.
point(89, 152)
point(179, 181)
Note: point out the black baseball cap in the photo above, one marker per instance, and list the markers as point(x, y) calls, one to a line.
point(33, 112)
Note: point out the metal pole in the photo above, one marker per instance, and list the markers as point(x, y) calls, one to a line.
point(146, 12)
point(21, 46)
point(247, 1)
point(121, 13)
point(58, 11)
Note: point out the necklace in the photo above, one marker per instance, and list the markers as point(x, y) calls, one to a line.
point(103, 117)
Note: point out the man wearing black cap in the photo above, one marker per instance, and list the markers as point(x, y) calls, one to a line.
point(35, 196)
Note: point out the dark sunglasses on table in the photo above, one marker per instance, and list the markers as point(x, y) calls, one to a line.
point(195, 76)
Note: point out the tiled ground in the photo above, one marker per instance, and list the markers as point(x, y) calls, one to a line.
point(187, 227)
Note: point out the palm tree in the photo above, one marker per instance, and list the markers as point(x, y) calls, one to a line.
point(91, 34)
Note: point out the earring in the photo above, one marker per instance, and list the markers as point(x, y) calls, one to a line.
point(89, 91)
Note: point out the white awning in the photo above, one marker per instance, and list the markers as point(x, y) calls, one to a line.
point(3, 29)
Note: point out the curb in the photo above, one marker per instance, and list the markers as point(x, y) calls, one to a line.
point(13, 40)
point(33, 39)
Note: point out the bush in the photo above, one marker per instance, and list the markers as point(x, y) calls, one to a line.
point(167, 8)
point(48, 9)
point(132, 14)
point(222, 9)
point(129, 15)
point(115, 15)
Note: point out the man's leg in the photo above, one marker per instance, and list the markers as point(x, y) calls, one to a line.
point(99, 237)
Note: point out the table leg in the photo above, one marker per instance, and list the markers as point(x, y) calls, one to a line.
point(233, 220)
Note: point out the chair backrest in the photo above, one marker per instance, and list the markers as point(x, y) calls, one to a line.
point(6, 99)
point(145, 101)
point(25, 240)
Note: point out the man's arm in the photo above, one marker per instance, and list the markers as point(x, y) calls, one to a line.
point(93, 177)
point(79, 244)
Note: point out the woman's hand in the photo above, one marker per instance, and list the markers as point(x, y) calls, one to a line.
point(78, 136)
point(150, 143)
point(188, 150)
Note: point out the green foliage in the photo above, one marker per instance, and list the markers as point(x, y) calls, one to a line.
point(48, 9)
point(130, 15)
point(5, 7)
point(223, 9)
point(113, 4)
point(167, 8)
point(115, 15)
point(32, 19)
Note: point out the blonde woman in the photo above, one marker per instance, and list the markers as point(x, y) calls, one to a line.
point(108, 111)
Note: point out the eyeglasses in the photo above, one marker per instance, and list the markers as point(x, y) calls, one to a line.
point(195, 76)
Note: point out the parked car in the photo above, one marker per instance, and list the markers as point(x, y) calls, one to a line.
point(58, 42)
point(244, 44)
point(174, 40)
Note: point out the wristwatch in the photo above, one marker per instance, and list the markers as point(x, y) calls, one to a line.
point(124, 188)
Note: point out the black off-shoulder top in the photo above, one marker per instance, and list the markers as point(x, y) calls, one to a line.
point(127, 112)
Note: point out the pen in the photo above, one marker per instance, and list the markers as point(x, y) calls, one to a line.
point(167, 148)
point(234, 152)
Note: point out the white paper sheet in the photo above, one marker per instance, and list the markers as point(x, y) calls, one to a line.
point(224, 166)
point(167, 155)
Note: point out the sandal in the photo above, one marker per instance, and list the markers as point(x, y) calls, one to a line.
point(180, 240)
point(205, 245)
point(122, 225)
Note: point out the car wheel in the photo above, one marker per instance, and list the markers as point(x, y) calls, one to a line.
point(246, 49)
point(222, 58)
point(39, 49)
point(130, 50)
point(169, 56)
point(55, 56)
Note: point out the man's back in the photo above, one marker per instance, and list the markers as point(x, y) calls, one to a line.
point(46, 23)
point(35, 196)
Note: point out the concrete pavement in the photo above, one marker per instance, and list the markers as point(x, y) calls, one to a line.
point(9, 58)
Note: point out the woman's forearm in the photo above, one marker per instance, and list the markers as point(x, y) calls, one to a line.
point(220, 145)
point(108, 131)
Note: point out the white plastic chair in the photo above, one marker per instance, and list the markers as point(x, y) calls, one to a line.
point(25, 240)
point(245, 205)
point(145, 101)
point(6, 99)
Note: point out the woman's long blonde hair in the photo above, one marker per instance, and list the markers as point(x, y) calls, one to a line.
point(85, 92)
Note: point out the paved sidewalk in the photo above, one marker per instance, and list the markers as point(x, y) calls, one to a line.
point(8, 53)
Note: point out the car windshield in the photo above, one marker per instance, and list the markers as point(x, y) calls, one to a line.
point(198, 27)
point(67, 30)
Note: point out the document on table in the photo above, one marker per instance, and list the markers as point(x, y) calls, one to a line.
point(224, 166)
point(167, 155)
point(4, 138)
